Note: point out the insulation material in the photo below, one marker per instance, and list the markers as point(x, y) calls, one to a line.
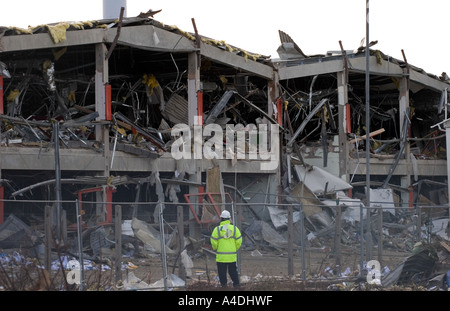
point(58, 32)
point(153, 90)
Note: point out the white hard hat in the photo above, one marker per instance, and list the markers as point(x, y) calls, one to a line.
point(225, 214)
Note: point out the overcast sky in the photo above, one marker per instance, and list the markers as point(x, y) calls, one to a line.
point(420, 28)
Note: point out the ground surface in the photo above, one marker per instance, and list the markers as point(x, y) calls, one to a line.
point(259, 270)
point(266, 270)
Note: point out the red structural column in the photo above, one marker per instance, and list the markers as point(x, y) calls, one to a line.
point(108, 193)
point(280, 111)
point(348, 118)
point(108, 102)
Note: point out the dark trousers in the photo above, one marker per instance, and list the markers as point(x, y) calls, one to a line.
point(231, 268)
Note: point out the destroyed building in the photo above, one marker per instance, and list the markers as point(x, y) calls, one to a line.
point(407, 114)
point(92, 111)
point(115, 90)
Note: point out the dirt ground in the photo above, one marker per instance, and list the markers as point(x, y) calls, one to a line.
point(265, 270)
point(259, 270)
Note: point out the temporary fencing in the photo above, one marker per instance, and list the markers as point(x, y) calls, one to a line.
point(303, 241)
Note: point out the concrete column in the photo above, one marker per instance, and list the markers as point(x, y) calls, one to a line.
point(102, 131)
point(405, 182)
point(403, 102)
point(344, 124)
point(273, 94)
point(193, 88)
point(101, 79)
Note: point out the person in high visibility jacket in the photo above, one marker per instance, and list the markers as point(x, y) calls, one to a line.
point(226, 240)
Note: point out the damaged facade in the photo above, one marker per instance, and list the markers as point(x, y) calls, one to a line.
point(116, 97)
point(88, 112)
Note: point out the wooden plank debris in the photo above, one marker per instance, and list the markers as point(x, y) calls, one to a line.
point(371, 134)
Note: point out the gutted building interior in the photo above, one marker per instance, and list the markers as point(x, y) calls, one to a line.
point(150, 76)
point(128, 110)
point(407, 116)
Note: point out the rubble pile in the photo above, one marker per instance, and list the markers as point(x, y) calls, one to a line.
point(427, 264)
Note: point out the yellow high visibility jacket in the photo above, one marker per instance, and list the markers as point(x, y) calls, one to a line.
point(226, 239)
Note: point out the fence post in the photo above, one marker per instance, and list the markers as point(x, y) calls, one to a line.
point(80, 244)
point(368, 233)
point(55, 126)
point(361, 239)
point(180, 224)
point(302, 239)
point(48, 236)
point(419, 224)
point(237, 210)
point(118, 243)
point(380, 235)
point(160, 207)
point(290, 241)
point(63, 226)
point(337, 237)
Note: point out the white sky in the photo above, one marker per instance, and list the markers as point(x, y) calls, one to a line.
point(417, 27)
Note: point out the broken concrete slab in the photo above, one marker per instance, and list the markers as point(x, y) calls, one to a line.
point(260, 231)
point(384, 198)
point(441, 228)
point(319, 181)
point(149, 236)
point(279, 217)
